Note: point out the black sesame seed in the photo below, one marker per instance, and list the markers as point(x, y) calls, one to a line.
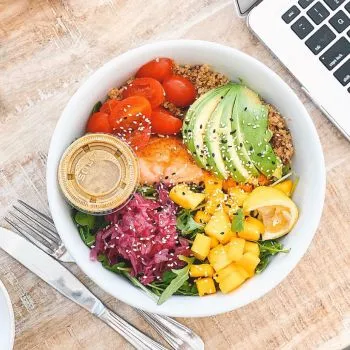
point(200, 126)
point(222, 233)
point(251, 148)
point(259, 154)
point(240, 144)
point(245, 108)
point(231, 119)
point(183, 193)
point(221, 97)
point(214, 131)
point(273, 162)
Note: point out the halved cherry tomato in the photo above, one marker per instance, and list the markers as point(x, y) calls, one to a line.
point(98, 122)
point(179, 90)
point(158, 69)
point(165, 123)
point(108, 106)
point(129, 112)
point(148, 88)
point(139, 137)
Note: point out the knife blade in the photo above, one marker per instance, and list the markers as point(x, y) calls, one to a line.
point(57, 276)
point(49, 270)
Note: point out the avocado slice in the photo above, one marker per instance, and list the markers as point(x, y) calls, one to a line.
point(195, 123)
point(230, 150)
point(216, 137)
point(251, 117)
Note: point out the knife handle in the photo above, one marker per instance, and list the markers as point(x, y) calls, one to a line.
point(176, 334)
point(136, 338)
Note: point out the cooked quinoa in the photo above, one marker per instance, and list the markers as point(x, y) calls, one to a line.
point(281, 140)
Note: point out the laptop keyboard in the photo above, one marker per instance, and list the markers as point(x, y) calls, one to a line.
point(325, 26)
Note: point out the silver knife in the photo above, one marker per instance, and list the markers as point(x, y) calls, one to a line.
point(57, 276)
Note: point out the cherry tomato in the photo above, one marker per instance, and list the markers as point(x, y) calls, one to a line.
point(108, 106)
point(98, 122)
point(139, 137)
point(158, 69)
point(129, 112)
point(179, 90)
point(148, 88)
point(165, 123)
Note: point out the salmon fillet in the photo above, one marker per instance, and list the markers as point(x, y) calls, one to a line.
point(166, 159)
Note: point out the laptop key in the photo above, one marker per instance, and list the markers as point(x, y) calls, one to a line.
point(305, 3)
point(333, 4)
point(302, 27)
point(318, 41)
point(343, 73)
point(336, 54)
point(340, 21)
point(318, 13)
point(291, 14)
point(347, 7)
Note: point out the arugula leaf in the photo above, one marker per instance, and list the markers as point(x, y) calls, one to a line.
point(238, 221)
point(86, 236)
point(83, 219)
point(96, 107)
point(147, 191)
point(176, 283)
point(267, 250)
point(186, 224)
point(121, 268)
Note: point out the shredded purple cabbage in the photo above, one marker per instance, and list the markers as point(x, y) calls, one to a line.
point(144, 233)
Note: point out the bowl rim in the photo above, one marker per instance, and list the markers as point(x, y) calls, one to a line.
point(51, 177)
point(5, 293)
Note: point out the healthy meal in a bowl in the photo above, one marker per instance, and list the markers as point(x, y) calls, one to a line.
point(182, 183)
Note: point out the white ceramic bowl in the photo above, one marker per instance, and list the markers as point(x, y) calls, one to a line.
point(308, 164)
point(7, 320)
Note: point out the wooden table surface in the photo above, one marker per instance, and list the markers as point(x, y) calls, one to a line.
point(48, 48)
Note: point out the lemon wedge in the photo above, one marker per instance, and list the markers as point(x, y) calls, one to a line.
point(278, 212)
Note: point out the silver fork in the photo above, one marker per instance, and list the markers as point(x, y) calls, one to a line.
point(39, 229)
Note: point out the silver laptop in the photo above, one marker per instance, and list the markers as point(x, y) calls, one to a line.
point(312, 39)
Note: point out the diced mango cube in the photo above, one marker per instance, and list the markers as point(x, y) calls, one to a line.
point(238, 195)
point(201, 246)
point(205, 286)
point(215, 200)
point(235, 248)
point(218, 257)
point(230, 207)
point(231, 282)
point(219, 226)
point(214, 242)
point(252, 248)
point(202, 270)
point(211, 183)
point(183, 196)
point(252, 229)
point(249, 262)
point(202, 217)
point(222, 274)
point(285, 186)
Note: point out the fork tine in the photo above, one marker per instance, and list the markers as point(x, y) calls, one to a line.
point(37, 212)
point(47, 231)
point(47, 249)
point(33, 229)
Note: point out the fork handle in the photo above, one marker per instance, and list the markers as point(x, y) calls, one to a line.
point(176, 334)
point(136, 338)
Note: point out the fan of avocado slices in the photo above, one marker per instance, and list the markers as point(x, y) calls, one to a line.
point(226, 131)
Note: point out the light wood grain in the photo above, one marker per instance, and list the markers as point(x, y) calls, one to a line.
point(48, 48)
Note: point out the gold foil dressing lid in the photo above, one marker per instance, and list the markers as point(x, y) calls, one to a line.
point(98, 173)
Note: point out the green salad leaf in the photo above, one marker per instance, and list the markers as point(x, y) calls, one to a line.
point(238, 221)
point(147, 191)
point(267, 250)
point(182, 276)
point(96, 107)
point(88, 225)
point(186, 224)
